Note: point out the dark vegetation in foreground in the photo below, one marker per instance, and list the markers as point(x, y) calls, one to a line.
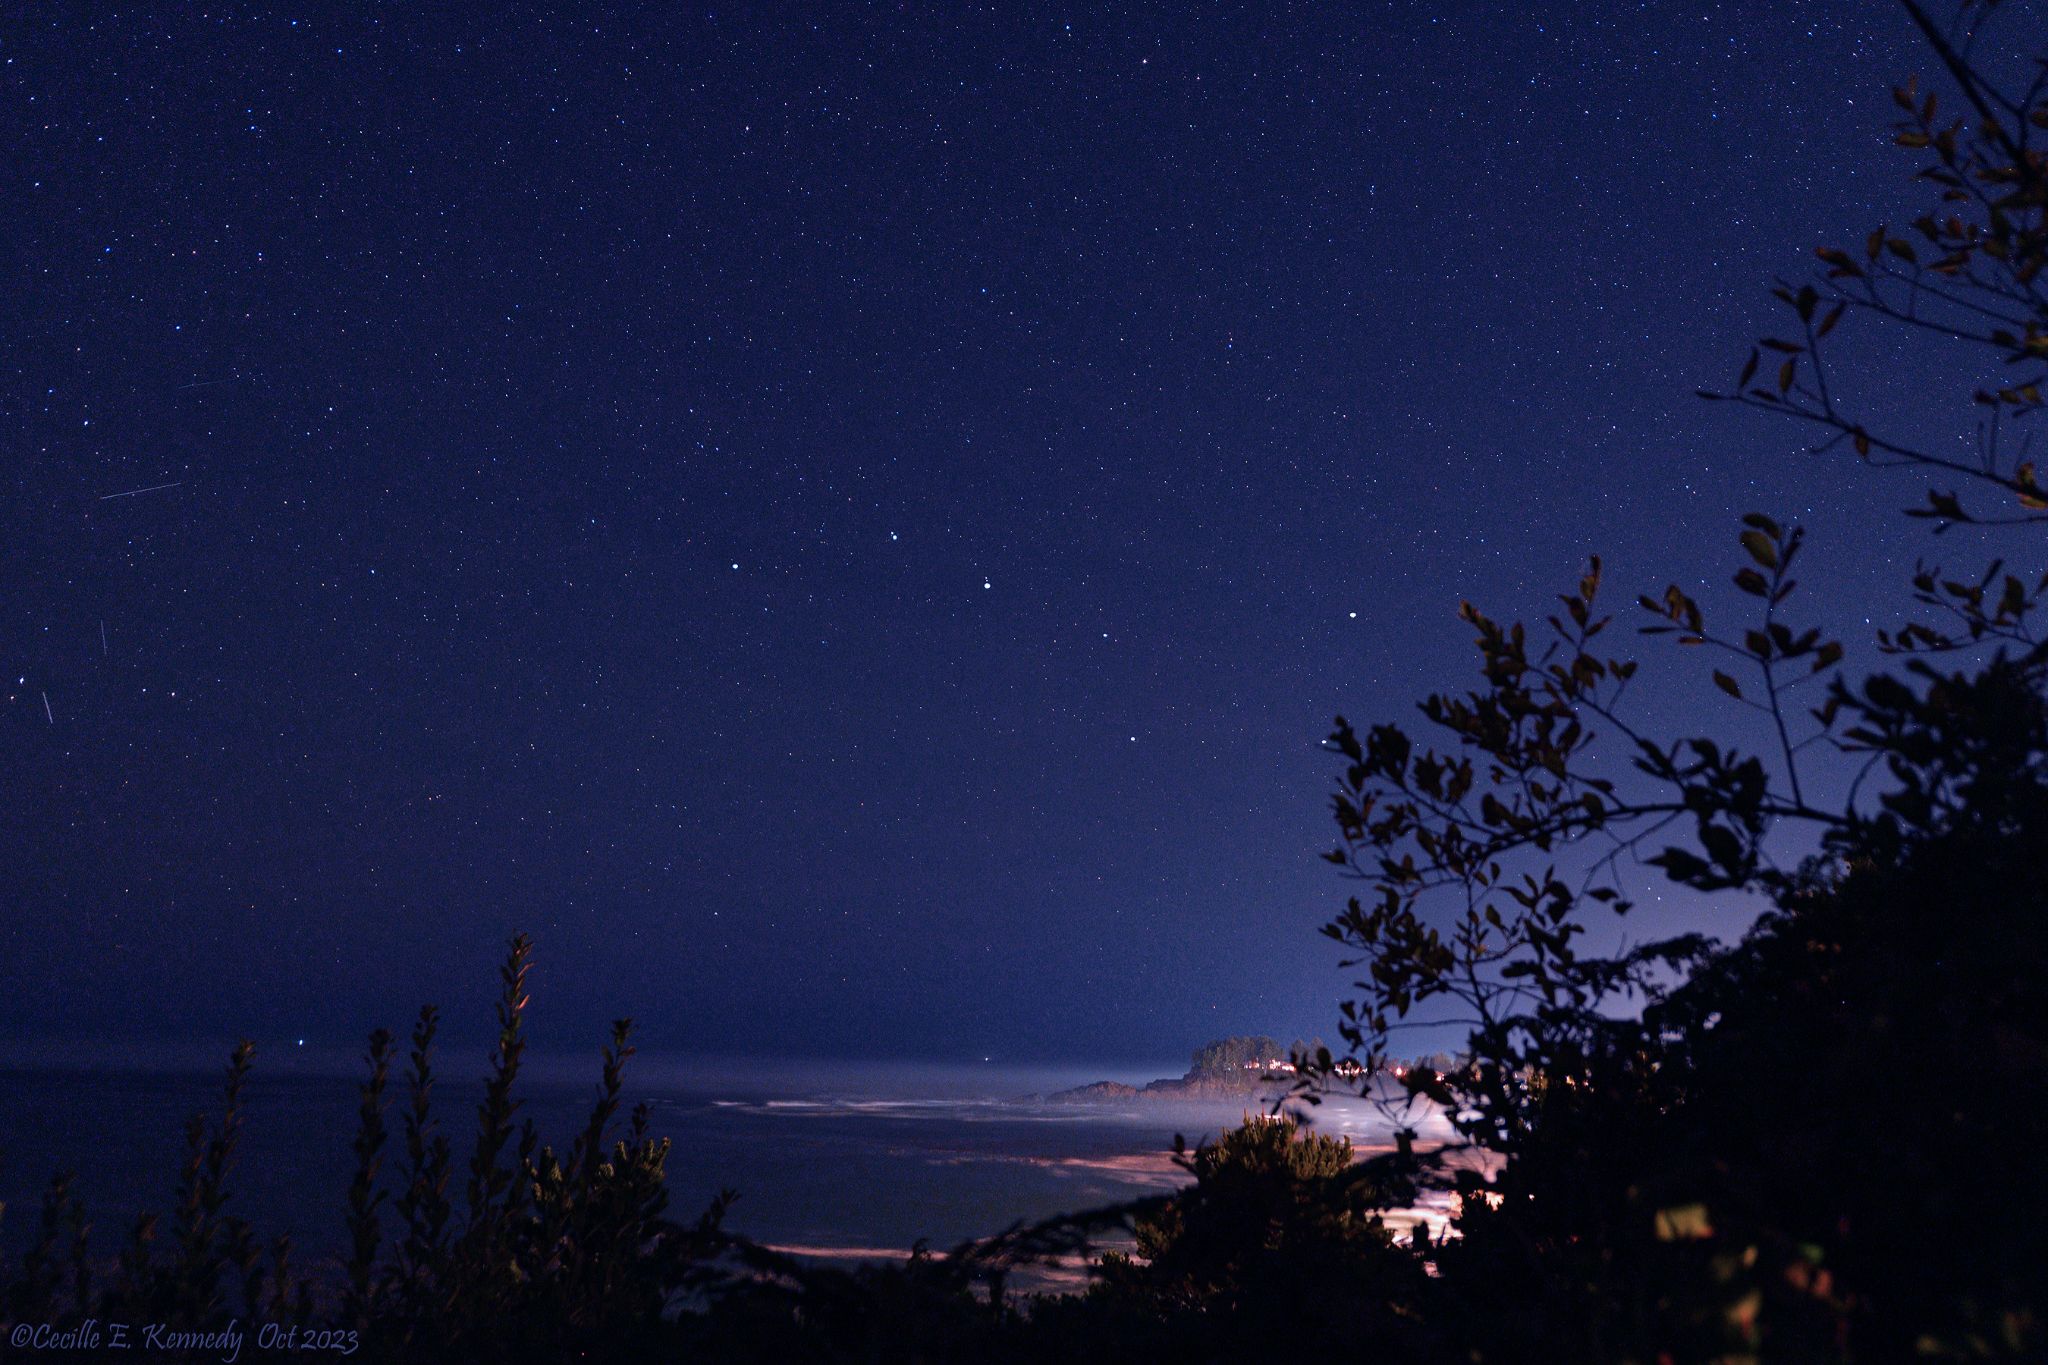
point(1820, 1142)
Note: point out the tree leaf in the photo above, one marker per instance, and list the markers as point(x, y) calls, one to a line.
point(1684, 1223)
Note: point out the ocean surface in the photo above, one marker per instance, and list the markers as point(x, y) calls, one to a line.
point(841, 1161)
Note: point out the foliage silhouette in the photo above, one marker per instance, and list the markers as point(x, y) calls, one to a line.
point(551, 1255)
point(1699, 1148)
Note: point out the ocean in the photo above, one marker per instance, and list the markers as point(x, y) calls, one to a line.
point(836, 1161)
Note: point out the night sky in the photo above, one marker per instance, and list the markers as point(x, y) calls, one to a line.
point(847, 523)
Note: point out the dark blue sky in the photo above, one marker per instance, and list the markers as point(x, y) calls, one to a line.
point(848, 523)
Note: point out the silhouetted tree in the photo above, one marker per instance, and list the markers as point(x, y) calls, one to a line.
point(1229, 1056)
point(1265, 1214)
point(1706, 1149)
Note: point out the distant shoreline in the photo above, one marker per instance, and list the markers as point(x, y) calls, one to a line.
point(1251, 1086)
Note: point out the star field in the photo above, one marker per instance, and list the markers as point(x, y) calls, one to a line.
point(847, 523)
